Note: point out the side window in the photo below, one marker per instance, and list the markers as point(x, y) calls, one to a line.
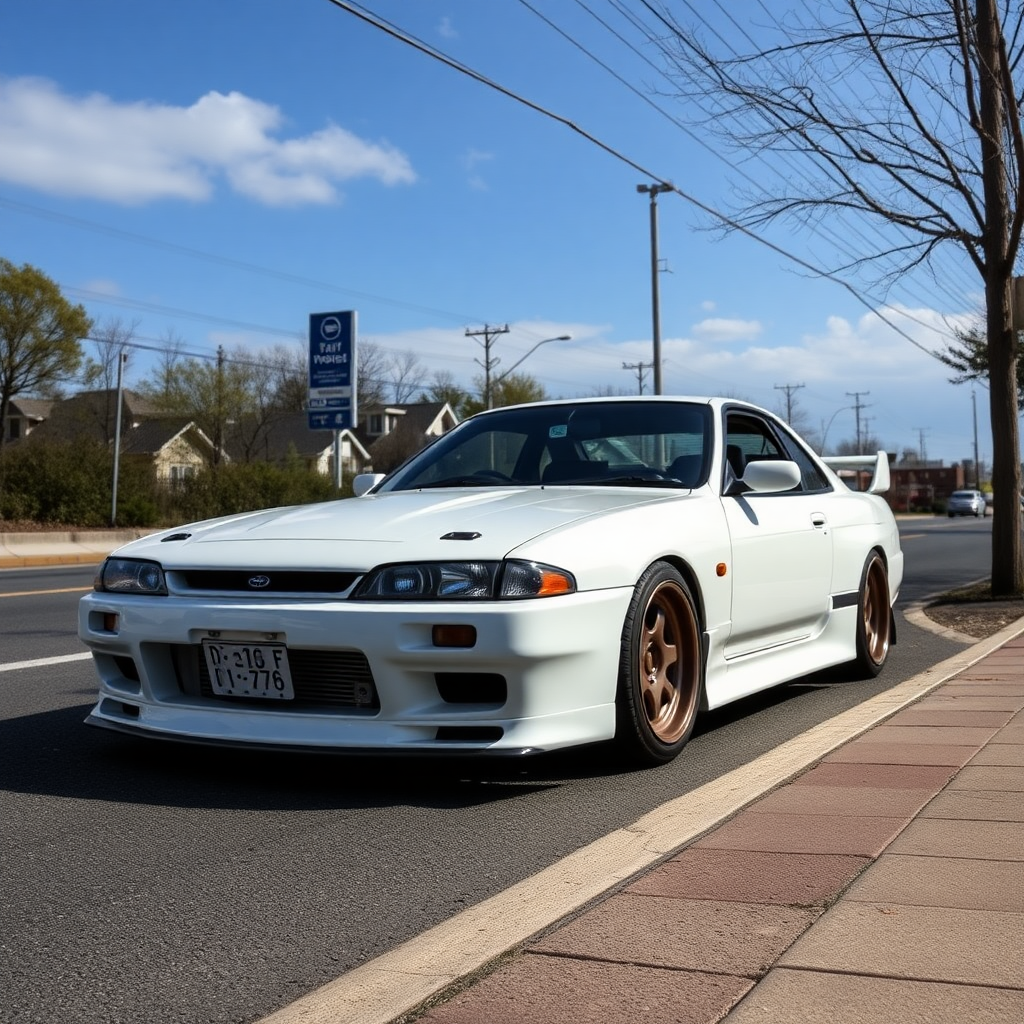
point(746, 440)
point(812, 480)
point(749, 438)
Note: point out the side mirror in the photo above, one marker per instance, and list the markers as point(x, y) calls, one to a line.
point(770, 476)
point(364, 481)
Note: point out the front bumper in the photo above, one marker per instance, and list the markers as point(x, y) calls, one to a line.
point(557, 657)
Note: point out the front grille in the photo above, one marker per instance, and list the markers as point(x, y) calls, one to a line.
point(279, 581)
point(322, 679)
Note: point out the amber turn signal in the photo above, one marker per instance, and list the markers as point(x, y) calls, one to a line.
point(453, 636)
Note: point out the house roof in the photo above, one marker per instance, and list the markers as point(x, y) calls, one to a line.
point(150, 436)
point(290, 432)
point(418, 417)
point(94, 414)
point(30, 408)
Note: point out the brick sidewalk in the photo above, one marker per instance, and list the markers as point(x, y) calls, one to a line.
point(884, 884)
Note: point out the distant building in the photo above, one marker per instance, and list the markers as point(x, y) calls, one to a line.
point(173, 446)
point(393, 432)
point(177, 448)
point(386, 436)
point(920, 486)
point(23, 416)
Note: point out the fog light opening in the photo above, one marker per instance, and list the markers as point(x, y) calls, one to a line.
point(110, 622)
point(453, 636)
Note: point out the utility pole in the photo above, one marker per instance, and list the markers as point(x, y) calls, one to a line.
point(922, 451)
point(640, 373)
point(977, 468)
point(653, 190)
point(789, 389)
point(122, 358)
point(218, 432)
point(488, 333)
point(858, 405)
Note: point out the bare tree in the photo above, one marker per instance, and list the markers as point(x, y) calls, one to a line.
point(291, 377)
point(386, 376)
point(371, 374)
point(111, 339)
point(406, 372)
point(160, 387)
point(443, 388)
point(904, 113)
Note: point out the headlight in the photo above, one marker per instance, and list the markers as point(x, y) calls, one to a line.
point(130, 576)
point(460, 581)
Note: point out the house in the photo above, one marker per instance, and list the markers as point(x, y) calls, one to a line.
point(287, 436)
point(172, 445)
point(393, 432)
point(23, 416)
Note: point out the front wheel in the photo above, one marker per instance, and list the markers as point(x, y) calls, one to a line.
point(874, 618)
point(661, 668)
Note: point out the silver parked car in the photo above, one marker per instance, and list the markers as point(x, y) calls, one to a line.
point(966, 503)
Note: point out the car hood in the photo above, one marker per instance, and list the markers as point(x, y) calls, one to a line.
point(358, 533)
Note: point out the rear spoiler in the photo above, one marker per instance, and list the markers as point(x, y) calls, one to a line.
point(877, 463)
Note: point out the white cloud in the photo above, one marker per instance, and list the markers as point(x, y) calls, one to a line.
point(721, 329)
point(446, 30)
point(472, 160)
point(133, 153)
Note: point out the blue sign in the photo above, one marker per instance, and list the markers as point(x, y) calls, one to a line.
point(331, 419)
point(332, 370)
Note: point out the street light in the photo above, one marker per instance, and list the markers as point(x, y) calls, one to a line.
point(824, 433)
point(653, 190)
point(497, 380)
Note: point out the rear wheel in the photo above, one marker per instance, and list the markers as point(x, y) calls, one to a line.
point(661, 669)
point(874, 618)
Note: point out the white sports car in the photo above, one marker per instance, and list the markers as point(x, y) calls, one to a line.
point(542, 576)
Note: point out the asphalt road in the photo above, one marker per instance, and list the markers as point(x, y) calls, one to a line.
point(150, 883)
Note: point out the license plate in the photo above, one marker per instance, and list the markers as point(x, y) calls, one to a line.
point(249, 670)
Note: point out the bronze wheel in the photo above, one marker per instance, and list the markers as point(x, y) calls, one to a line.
point(874, 617)
point(661, 669)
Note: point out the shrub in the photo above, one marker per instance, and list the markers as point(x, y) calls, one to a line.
point(70, 483)
point(243, 487)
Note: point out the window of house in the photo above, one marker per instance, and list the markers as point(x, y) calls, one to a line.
point(181, 473)
point(376, 423)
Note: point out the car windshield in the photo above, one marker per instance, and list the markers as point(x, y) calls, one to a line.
point(642, 444)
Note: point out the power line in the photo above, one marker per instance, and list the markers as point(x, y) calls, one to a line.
point(227, 261)
point(404, 37)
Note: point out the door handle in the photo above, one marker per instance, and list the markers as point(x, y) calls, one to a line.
point(818, 520)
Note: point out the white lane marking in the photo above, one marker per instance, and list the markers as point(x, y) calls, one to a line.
point(12, 666)
point(383, 989)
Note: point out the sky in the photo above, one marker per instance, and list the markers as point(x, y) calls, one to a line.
point(214, 171)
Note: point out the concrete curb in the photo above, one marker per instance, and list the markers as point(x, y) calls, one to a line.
point(70, 547)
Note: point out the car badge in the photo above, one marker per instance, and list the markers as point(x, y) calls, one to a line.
point(259, 582)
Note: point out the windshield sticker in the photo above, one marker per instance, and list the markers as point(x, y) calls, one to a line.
point(559, 430)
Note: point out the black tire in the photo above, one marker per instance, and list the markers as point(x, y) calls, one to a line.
point(874, 619)
point(661, 668)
